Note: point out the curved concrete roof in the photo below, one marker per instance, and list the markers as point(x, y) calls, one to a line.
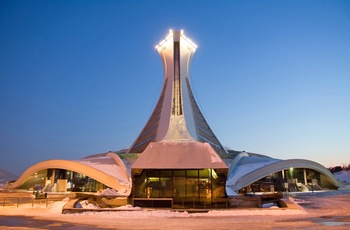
point(234, 163)
point(261, 172)
point(79, 167)
point(109, 163)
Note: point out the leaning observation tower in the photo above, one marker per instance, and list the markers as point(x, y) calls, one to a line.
point(176, 116)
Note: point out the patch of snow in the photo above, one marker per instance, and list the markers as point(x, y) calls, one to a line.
point(298, 201)
point(128, 211)
point(85, 204)
point(343, 176)
point(269, 205)
point(112, 192)
point(128, 207)
point(215, 159)
point(57, 206)
point(344, 187)
point(107, 192)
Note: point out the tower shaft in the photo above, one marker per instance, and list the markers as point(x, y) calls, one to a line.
point(176, 116)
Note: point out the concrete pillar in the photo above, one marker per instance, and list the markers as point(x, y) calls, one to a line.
point(305, 178)
point(53, 176)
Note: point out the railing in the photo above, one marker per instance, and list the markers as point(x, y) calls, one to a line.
point(11, 201)
point(6, 198)
point(40, 198)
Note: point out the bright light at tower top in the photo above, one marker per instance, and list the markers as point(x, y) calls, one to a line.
point(171, 34)
point(188, 40)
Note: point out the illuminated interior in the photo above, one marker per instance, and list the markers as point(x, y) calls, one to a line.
point(290, 180)
point(194, 184)
point(60, 180)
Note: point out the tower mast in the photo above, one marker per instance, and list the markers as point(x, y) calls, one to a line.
point(176, 116)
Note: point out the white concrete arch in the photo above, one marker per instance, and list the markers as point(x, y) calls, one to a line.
point(260, 173)
point(235, 163)
point(121, 165)
point(91, 172)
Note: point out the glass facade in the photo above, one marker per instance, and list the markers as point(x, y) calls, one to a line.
point(292, 180)
point(194, 184)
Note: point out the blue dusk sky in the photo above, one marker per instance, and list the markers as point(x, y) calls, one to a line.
point(82, 77)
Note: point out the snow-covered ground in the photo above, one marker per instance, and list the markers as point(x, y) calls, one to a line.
point(343, 176)
point(136, 212)
point(317, 212)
